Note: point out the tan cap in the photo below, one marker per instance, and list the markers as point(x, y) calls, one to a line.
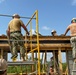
point(3, 65)
point(73, 18)
point(16, 15)
point(53, 31)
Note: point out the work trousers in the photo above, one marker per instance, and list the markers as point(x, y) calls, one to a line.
point(17, 42)
point(73, 45)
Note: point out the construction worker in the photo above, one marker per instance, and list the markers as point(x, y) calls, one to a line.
point(72, 29)
point(54, 33)
point(52, 62)
point(51, 71)
point(51, 66)
point(3, 67)
point(14, 33)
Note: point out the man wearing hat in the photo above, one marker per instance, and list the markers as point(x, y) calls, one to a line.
point(72, 29)
point(3, 67)
point(54, 33)
point(14, 33)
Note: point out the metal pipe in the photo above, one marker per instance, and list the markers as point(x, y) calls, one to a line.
point(12, 16)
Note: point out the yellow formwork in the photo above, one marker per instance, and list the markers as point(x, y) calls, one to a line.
point(37, 31)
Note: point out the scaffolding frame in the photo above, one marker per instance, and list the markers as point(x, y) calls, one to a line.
point(37, 34)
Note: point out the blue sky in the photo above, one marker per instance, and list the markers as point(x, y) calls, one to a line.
point(52, 14)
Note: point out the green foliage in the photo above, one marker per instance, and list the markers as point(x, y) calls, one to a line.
point(20, 69)
point(64, 65)
point(28, 68)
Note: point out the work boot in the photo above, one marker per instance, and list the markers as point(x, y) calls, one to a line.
point(14, 56)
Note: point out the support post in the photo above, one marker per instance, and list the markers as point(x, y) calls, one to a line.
point(60, 61)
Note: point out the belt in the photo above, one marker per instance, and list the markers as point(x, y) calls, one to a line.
point(16, 32)
point(73, 36)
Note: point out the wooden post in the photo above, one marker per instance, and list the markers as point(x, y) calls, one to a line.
point(33, 60)
point(54, 61)
point(67, 63)
point(5, 55)
point(60, 61)
point(45, 59)
point(1, 53)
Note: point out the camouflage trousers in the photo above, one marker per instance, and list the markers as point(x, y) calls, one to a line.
point(17, 43)
point(73, 45)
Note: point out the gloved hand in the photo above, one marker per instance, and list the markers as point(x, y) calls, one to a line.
point(62, 35)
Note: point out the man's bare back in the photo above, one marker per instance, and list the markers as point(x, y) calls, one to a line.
point(72, 28)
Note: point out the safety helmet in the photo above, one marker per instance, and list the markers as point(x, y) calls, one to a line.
point(15, 15)
point(3, 65)
point(53, 31)
point(73, 20)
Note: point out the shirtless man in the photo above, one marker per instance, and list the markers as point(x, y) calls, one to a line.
point(72, 28)
point(14, 33)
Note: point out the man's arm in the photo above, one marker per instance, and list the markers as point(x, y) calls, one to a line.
point(25, 28)
point(8, 32)
point(68, 28)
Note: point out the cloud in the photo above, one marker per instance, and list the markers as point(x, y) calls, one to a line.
point(45, 28)
point(2, 1)
point(33, 31)
point(74, 2)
